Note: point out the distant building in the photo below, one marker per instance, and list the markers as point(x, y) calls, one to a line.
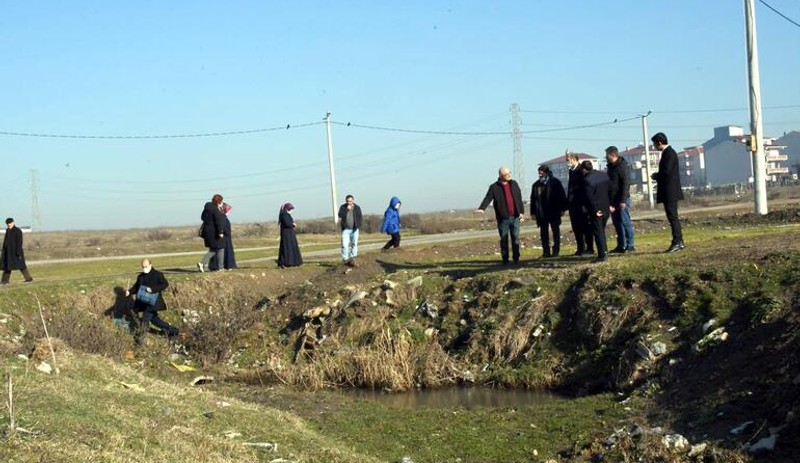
point(636, 159)
point(728, 158)
point(693, 167)
point(560, 168)
point(791, 141)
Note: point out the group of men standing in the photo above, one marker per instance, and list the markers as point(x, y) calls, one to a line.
point(591, 197)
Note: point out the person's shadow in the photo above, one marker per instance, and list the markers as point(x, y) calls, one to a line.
point(121, 312)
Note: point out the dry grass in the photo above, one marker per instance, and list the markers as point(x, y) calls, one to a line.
point(105, 412)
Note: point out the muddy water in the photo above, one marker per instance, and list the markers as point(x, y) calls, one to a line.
point(458, 397)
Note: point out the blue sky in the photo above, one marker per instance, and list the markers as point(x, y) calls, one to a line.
point(196, 67)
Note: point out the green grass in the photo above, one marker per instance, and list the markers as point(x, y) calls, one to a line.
point(86, 414)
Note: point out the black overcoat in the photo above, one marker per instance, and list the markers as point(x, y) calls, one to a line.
point(548, 201)
point(668, 177)
point(289, 250)
point(595, 184)
point(155, 281)
point(13, 255)
point(213, 226)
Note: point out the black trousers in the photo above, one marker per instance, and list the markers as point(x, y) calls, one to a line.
point(394, 241)
point(25, 273)
point(582, 229)
point(544, 234)
point(149, 316)
point(598, 225)
point(671, 208)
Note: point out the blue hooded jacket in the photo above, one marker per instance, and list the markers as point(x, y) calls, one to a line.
point(391, 218)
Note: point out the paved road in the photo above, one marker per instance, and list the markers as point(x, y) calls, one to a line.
point(464, 235)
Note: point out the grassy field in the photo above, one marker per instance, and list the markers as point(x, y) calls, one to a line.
point(561, 324)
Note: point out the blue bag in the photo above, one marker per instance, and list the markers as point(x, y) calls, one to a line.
point(145, 297)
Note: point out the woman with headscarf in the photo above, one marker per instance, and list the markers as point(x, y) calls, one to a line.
point(229, 260)
point(213, 232)
point(289, 250)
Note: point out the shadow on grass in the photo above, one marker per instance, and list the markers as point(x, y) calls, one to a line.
point(472, 268)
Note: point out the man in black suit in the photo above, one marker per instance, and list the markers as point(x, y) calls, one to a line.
point(577, 207)
point(149, 301)
point(668, 189)
point(595, 184)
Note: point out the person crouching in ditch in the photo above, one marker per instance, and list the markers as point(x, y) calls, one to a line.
point(150, 283)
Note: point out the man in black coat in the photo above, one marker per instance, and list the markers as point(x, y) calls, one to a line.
point(350, 221)
point(668, 189)
point(508, 210)
point(578, 215)
point(149, 300)
point(213, 232)
point(620, 196)
point(595, 184)
point(548, 203)
point(13, 255)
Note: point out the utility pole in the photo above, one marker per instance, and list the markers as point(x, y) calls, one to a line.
point(516, 133)
point(36, 223)
point(756, 124)
point(330, 162)
point(647, 169)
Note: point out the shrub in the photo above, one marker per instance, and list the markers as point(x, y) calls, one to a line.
point(255, 229)
point(316, 227)
point(158, 235)
point(212, 329)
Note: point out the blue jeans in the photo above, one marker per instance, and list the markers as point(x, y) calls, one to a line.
point(504, 227)
point(349, 244)
point(621, 218)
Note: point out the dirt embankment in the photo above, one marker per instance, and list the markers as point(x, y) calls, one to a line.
point(706, 338)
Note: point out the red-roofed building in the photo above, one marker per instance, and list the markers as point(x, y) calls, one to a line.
point(560, 168)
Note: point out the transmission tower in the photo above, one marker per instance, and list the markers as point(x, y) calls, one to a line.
point(37, 220)
point(516, 133)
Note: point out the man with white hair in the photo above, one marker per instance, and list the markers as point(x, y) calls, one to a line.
point(509, 210)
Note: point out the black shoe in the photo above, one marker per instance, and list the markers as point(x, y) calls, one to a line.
point(675, 248)
point(506, 262)
point(630, 249)
point(619, 251)
point(29, 280)
point(599, 259)
point(587, 253)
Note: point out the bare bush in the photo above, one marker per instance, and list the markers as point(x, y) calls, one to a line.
point(158, 235)
point(93, 241)
point(255, 229)
point(80, 329)
point(316, 227)
point(212, 329)
point(371, 223)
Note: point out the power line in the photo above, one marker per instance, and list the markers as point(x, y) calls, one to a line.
point(779, 13)
point(438, 132)
point(660, 111)
point(140, 137)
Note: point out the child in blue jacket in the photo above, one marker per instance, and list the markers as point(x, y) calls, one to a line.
point(391, 223)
